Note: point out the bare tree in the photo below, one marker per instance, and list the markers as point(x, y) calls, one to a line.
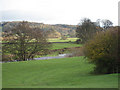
point(24, 42)
point(98, 22)
point(106, 23)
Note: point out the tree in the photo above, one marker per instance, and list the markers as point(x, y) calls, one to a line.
point(106, 23)
point(24, 42)
point(85, 30)
point(103, 51)
point(98, 22)
point(63, 37)
point(54, 34)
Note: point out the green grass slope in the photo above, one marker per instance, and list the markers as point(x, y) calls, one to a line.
point(55, 73)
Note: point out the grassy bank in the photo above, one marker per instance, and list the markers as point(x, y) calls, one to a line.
point(61, 73)
point(64, 45)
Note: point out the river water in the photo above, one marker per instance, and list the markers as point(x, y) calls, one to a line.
point(50, 57)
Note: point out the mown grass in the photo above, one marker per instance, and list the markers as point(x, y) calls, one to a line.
point(64, 45)
point(55, 73)
point(59, 40)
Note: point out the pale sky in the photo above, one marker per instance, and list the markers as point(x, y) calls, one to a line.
point(59, 11)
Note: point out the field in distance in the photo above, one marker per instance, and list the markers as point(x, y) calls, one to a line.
point(59, 40)
point(64, 45)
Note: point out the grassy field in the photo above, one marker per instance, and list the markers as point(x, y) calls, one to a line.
point(60, 46)
point(64, 45)
point(55, 73)
point(59, 40)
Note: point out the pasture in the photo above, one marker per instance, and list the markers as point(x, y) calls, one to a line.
point(59, 40)
point(72, 72)
point(64, 45)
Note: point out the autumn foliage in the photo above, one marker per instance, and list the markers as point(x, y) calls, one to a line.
point(23, 42)
point(103, 51)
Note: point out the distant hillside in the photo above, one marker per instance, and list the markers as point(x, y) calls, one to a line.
point(62, 29)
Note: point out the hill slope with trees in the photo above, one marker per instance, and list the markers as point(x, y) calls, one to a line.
point(60, 29)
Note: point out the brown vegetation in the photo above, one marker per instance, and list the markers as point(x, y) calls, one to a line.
point(25, 43)
point(103, 51)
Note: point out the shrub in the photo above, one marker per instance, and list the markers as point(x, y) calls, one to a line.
point(77, 52)
point(102, 50)
point(78, 41)
point(7, 57)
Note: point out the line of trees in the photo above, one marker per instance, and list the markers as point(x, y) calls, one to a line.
point(67, 30)
point(101, 44)
point(86, 29)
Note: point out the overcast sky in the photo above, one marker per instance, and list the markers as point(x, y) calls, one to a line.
point(59, 11)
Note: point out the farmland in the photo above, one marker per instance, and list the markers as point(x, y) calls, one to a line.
point(59, 40)
point(72, 72)
point(64, 45)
